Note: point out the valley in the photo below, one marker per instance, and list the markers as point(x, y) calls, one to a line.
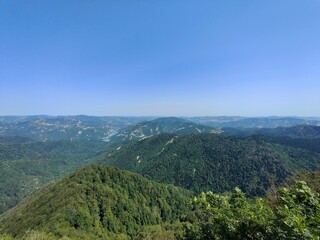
point(137, 182)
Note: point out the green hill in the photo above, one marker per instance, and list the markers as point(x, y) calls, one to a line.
point(203, 162)
point(14, 140)
point(25, 166)
point(178, 126)
point(56, 128)
point(311, 144)
point(255, 122)
point(96, 203)
point(299, 131)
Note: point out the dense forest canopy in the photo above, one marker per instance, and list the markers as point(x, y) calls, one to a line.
point(203, 162)
point(97, 202)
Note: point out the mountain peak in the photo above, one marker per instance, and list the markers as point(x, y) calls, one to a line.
point(97, 201)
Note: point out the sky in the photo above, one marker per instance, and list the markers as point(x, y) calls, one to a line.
point(160, 57)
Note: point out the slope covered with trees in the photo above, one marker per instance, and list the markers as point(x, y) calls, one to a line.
point(304, 143)
point(105, 203)
point(27, 165)
point(312, 178)
point(299, 131)
point(173, 125)
point(96, 203)
point(203, 162)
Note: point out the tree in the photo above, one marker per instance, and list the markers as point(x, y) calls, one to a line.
point(295, 215)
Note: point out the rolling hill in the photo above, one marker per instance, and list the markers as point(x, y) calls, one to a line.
point(178, 126)
point(55, 128)
point(255, 122)
point(82, 127)
point(202, 162)
point(96, 203)
point(26, 165)
point(298, 131)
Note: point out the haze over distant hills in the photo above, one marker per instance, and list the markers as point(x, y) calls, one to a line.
point(43, 127)
point(256, 122)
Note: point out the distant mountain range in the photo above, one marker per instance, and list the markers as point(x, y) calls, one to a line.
point(157, 126)
point(298, 131)
point(109, 129)
point(255, 122)
point(47, 128)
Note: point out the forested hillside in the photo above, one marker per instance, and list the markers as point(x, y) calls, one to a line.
point(203, 162)
point(105, 203)
point(298, 131)
point(311, 144)
point(178, 126)
point(27, 165)
point(97, 203)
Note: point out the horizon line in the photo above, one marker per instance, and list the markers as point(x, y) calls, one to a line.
point(158, 116)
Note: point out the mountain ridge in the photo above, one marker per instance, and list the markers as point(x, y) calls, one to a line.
point(203, 162)
point(157, 126)
point(297, 131)
point(97, 202)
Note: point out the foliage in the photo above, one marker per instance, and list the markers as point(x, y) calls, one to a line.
point(26, 166)
point(295, 216)
point(34, 235)
point(312, 178)
point(299, 131)
point(95, 203)
point(203, 162)
point(309, 144)
point(230, 217)
point(162, 231)
point(5, 237)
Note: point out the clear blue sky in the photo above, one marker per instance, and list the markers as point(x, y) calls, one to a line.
point(160, 57)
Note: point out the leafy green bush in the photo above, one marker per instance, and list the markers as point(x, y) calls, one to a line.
point(296, 215)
